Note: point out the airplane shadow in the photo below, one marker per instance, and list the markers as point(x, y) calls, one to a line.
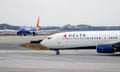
point(87, 54)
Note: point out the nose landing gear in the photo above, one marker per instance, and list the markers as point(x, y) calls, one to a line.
point(56, 50)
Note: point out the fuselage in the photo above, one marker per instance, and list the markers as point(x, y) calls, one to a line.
point(26, 30)
point(78, 39)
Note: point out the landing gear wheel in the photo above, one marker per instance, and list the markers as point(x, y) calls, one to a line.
point(57, 52)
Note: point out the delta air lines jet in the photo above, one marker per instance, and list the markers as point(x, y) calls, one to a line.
point(102, 41)
point(29, 30)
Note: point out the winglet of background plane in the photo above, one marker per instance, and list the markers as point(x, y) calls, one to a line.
point(37, 24)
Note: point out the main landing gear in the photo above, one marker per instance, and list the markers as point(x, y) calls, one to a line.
point(57, 52)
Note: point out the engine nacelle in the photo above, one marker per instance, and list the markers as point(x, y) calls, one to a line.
point(105, 48)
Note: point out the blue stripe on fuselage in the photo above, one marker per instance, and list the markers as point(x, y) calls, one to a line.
point(86, 47)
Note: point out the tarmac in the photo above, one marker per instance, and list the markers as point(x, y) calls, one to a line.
point(14, 58)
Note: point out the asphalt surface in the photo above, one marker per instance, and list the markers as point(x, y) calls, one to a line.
point(13, 42)
point(14, 58)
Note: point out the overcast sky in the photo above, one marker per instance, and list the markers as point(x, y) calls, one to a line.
point(60, 12)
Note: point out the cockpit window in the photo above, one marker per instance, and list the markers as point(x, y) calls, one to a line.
point(49, 37)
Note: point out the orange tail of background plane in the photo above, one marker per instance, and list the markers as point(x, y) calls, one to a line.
point(37, 24)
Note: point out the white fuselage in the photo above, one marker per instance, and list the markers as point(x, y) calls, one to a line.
point(81, 39)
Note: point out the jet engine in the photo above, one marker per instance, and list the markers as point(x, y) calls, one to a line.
point(105, 48)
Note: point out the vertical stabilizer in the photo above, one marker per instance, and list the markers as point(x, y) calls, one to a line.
point(37, 24)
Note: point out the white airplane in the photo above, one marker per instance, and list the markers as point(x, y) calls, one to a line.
point(102, 41)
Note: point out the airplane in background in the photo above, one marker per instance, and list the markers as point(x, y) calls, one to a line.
point(29, 30)
point(102, 41)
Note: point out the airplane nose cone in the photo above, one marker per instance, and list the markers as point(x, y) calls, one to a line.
point(43, 42)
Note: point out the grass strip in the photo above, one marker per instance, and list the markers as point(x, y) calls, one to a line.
point(34, 46)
